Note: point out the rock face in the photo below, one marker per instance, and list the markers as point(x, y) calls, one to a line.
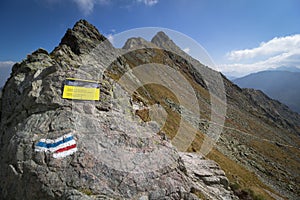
point(163, 41)
point(207, 176)
point(118, 156)
point(82, 38)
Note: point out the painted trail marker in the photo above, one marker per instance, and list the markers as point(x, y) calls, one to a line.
point(60, 147)
point(81, 89)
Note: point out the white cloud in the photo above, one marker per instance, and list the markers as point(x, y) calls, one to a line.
point(87, 6)
point(278, 52)
point(148, 2)
point(110, 37)
point(6, 64)
point(270, 48)
point(5, 69)
point(187, 50)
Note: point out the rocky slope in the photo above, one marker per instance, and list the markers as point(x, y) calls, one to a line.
point(259, 133)
point(118, 156)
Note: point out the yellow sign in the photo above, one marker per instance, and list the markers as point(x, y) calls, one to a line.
point(81, 89)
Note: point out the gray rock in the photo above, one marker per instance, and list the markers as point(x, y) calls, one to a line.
point(207, 177)
point(211, 180)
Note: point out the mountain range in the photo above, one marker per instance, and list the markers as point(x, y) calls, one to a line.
point(283, 86)
point(127, 143)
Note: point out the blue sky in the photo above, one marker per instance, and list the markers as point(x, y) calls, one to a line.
point(241, 36)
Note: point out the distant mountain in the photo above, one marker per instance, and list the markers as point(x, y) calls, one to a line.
point(285, 68)
point(229, 77)
point(283, 86)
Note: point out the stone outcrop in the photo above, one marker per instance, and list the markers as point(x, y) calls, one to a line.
point(207, 176)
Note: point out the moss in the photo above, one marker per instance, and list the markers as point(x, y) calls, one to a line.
point(198, 193)
point(235, 186)
point(86, 191)
point(248, 194)
point(143, 114)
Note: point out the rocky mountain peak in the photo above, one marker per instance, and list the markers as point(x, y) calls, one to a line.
point(160, 38)
point(138, 42)
point(163, 41)
point(82, 37)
